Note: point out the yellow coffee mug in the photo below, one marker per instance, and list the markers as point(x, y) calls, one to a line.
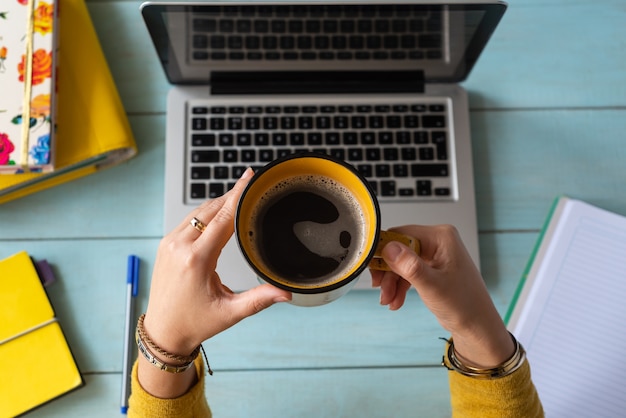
point(310, 224)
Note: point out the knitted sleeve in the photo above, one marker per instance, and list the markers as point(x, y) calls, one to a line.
point(191, 404)
point(511, 396)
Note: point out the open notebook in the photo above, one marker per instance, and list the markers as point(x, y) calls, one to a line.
point(570, 315)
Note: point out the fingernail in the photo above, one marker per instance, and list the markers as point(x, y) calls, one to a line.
point(249, 172)
point(392, 251)
point(280, 299)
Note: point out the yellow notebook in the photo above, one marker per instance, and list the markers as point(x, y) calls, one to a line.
point(92, 130)
point(36, 364)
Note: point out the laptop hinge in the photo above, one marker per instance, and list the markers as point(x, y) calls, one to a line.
point(312, 82)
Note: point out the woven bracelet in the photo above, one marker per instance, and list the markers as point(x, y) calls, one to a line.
point(146, 347)
point(452, 362)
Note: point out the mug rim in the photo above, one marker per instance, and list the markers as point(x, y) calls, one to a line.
point(322, 288)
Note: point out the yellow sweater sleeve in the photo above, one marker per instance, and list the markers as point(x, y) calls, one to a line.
point(192, 404)
point(511, 396)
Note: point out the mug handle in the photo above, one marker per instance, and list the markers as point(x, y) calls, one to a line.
point(377, 262)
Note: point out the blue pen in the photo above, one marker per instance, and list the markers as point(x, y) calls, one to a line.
point(132, 284)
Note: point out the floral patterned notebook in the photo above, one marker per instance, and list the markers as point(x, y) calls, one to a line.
point(27, 85)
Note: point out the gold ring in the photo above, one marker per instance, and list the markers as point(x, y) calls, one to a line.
point(198, 224)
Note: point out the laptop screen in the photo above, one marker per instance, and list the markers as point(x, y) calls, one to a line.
point(440, 41)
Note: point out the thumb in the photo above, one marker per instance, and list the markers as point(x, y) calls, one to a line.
point(255, 300)
point(404, 262)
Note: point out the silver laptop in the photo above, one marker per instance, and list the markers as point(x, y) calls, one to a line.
point(373, 83)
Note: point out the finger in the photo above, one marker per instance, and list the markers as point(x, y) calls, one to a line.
point(221, 226)
point(388, 285)
point(255, 300)
point(402, 288)
point(209, 208)
point(377, 276)
point(404, 262)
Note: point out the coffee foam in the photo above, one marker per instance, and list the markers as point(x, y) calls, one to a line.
point(331, 190)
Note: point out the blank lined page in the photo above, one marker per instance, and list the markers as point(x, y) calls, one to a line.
point(573, 320)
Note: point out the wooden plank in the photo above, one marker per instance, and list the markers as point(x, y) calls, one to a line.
point(544, 54)
point(524, 159)
point(372, 393)
point(354, 331)
point(559, 53)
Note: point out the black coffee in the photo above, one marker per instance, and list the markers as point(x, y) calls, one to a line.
point(308, 230)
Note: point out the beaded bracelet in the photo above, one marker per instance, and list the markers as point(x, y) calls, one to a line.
point(452, 362)
point(145, 345)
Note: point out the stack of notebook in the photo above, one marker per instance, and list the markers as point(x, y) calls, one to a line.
point(89, 122)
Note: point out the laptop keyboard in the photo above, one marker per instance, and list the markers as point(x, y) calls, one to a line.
point(401, 147)
point(317, 32)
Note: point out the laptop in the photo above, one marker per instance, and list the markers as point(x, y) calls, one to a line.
point(373, 83)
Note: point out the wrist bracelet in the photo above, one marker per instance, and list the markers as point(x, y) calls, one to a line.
point(145, 345)
point(452, 362)
point(141, 347)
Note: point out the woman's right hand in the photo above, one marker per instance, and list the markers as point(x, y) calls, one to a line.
point(451, 286)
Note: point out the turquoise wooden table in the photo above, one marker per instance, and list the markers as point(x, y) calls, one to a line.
point(548, 115)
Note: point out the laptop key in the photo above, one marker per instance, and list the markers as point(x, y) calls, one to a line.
point(355, 154)
point(261, 139)
point(296, 138)
point(383, 170)
point(338, 153)
point(403, 137)
point(429, 170)
point(200, 173)
point(388, 188)
point(390, 154)
point(200, 110)
point(248, 156)
point(217, 124)
point(279, 139)
point(198, 124)
point(226, 140)
point(266, 155)
point(408, 154)
point(244, 140)
point(439, 139)
point(205, 156)
point(332, 138)
point(237, 172)
point(340, 122)
point(426, 153)
point(314, 138)
point(433, 121)
point(216, 190)
point(220, 172)
point(203, 140)
point(400, 170)
point(198, 190)
point(230, 156)
point(350, 138)
point(372, 154)
point(424, 187)
point(366, 170)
